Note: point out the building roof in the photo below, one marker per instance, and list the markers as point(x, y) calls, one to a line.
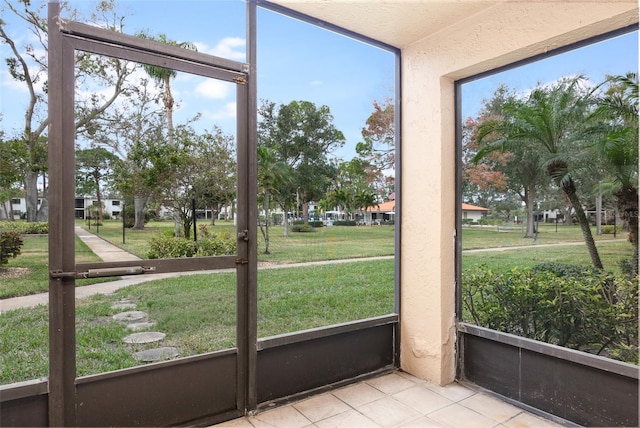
point(469, 207)
point(383, 207)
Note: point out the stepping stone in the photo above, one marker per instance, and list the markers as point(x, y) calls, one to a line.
point(137, 326)
point(157, 354)
point(122, 306)
point(130, 316)
point(144, 337)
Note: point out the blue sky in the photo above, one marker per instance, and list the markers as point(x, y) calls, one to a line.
point(617, 55)
point(297, 61)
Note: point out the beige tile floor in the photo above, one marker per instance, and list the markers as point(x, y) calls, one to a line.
point(396, 400)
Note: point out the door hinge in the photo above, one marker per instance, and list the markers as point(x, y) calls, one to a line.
point(240, 261)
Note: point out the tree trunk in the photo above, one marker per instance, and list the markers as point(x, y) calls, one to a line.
point(266, 222)
point(176, 222)
point(567, 216)
point(186, 227)
point(627, 201)
point(139, 208)
point(570, 190)
point(286, 222)
point(31, 187)
point(43, 211)
point(529, 203)
point(305, 212)
point(99, 198)
point(599, 214)
point(8, 212)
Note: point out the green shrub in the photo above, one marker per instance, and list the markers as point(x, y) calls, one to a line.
point(26, 228)
point(562, 269)
point(571, 306)
point(344, 223)
point(164, 247)
point(608, 230)
point(10, 245)
point(490, 221)
point(130, 215)
point(626, 267)
point(218, 244)
point(316, 223)
point(305, 228)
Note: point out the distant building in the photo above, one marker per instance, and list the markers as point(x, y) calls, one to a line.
point(473, 212)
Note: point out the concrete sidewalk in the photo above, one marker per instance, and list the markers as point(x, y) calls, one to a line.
point(111, 253)
point(108, 253)
point(102, 248)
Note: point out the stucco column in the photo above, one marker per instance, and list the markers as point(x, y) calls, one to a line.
point(428, 222)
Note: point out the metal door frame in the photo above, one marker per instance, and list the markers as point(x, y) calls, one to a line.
point(65, 37)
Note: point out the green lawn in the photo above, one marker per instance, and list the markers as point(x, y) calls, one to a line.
point(492, 237)
point(35, 257)
point(197, 313)
point(329, 243)
point(326, 243)
point(611, 253)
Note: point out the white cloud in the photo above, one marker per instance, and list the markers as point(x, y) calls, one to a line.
point(10, 83)
point(228, 47)
point(316, 82)
point(211, 88)
point(228, 111)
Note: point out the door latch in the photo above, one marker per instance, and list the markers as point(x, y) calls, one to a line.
point(244, 235)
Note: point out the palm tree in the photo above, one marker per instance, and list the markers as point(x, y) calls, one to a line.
point(271, 174)
point(619, 149)
point(163, 77)
point(554, 120)
point(364, 198)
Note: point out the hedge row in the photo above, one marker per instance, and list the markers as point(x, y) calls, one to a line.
point(163, 246)
point(571, 306)
point(25, 228)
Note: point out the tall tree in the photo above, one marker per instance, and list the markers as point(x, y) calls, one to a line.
point(163, 77)
point(303, 136)
point(27, 64)
point(501, 175)
point(272, 174)
point(379, 146)
point(94, 167)
point(135, 131)
point(353, 187)
point(10, 175)
point(618, 147)
point(553, 120)
point(215, 175)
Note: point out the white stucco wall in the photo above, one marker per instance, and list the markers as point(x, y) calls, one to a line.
point(430, 66)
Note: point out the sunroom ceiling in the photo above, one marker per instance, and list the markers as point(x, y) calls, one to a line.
point(402, 22)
